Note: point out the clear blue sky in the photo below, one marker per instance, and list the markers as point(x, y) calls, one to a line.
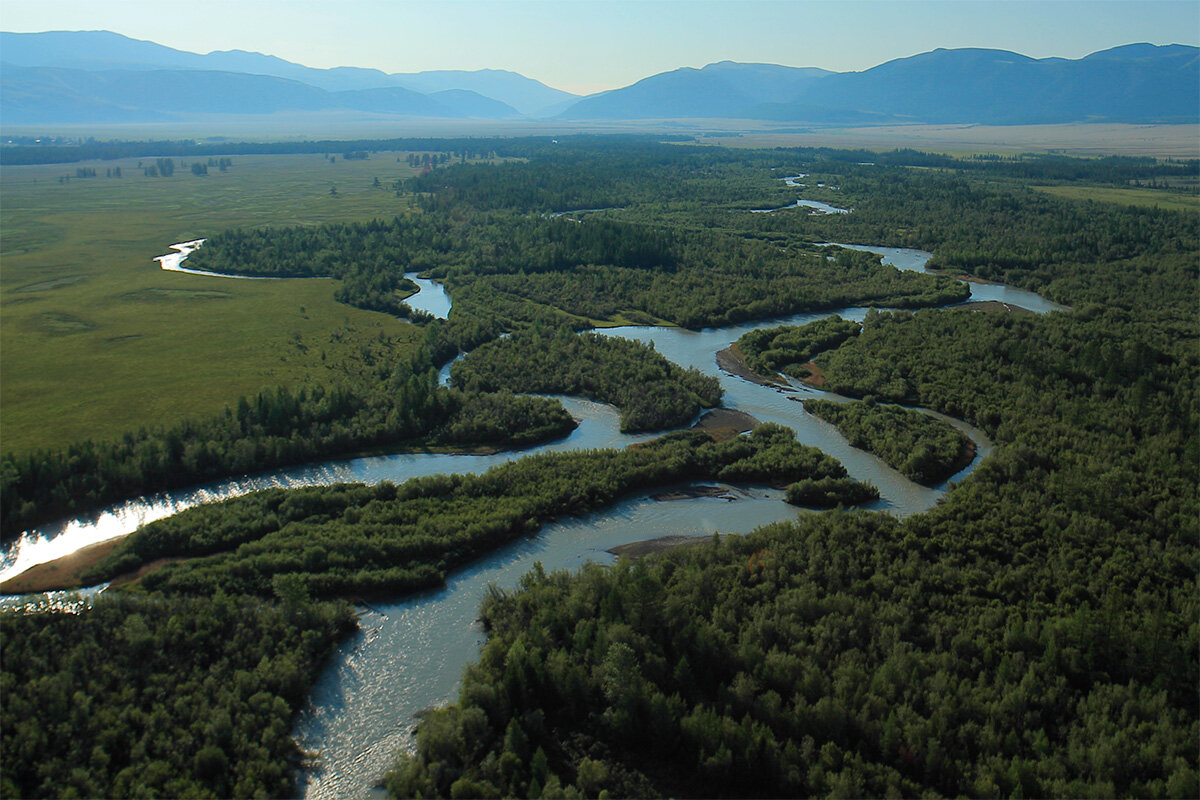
point(589, 45)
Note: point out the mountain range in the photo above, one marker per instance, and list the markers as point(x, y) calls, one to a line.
point(103, 77)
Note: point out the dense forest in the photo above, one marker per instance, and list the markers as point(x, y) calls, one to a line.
point(160, 697)
point(1033, 634)
point(595, 270)
point(404, 407)
point(651, 392)
point(788, 348)
point(387, 539)
point(922, 448)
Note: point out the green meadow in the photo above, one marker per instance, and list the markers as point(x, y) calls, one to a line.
point(1148, 198)
point(96, 339)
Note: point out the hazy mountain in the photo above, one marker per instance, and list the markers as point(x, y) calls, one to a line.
point(1137, 83)
point(33, 95)
point(727, 89)
point(104, 51)
point(526, 95)
point(472, 104)
point(99, 76)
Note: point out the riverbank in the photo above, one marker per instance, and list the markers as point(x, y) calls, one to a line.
point(725, 423)
point(636, 550)
point(61, 573)
point(733, 362)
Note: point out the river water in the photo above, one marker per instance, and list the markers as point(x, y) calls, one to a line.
point(430, 297)
point(409, 654)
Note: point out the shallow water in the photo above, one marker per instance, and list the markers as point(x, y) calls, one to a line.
point(431, 297)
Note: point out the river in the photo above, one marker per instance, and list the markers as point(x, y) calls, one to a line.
point(409, 654)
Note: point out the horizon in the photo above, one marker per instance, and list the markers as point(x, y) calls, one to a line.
point(573, 46)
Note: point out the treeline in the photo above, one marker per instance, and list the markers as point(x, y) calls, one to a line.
point(788, 348)
point(62, 153)
point(388, 540)
point(275, 428)
point(651, 392)
point(160, 697)
point(923, 448)
point(727, 280)
point(613, 152)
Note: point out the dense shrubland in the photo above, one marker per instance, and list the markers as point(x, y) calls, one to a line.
point(788, 348)
point(405, 407)
point(922, 448)
point(1032, 634)
point(651, 392)
point(160, 697)
point(388, 539)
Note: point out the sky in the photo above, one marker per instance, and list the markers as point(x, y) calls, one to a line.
point(584, 46)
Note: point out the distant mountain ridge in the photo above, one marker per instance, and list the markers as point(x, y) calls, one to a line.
point(102, 77)
point(37, 95)
point(103, 51)
point(1132, 83)
point(725, 89)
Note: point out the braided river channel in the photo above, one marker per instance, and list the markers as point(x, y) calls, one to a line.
point(408, 655)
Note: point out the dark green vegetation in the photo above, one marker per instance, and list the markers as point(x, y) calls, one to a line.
point(788, 348)
point(388, 408)
point(835, 656)
point(507, 269)
point(1033, 634)
point(160, 697)
point(387, 539)
point(651, 392)
point(600, 269)
point(922, 448)
point(830, 492)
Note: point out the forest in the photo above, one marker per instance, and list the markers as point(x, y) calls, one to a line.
point(162, 696)
point(403, 406)
point(386, 540)
point(1032, 634)
point(651, 392)
point(788, 348)
point(923, 448)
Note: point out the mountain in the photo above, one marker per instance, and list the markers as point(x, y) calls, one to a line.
point(466, 103)
point(1138, 83)
point(526, 95)
point(726, 89)
point(105, 51)
point(100, 76)
point(36, 95)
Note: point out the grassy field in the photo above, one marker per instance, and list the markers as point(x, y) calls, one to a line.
point(1079, 139)
point(1150, 198)
point(95, 339)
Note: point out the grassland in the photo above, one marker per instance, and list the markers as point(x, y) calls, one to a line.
point(1149, 198)
point(97, 340)
point(1078, 139)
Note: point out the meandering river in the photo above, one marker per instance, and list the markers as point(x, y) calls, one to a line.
point(409, 654)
